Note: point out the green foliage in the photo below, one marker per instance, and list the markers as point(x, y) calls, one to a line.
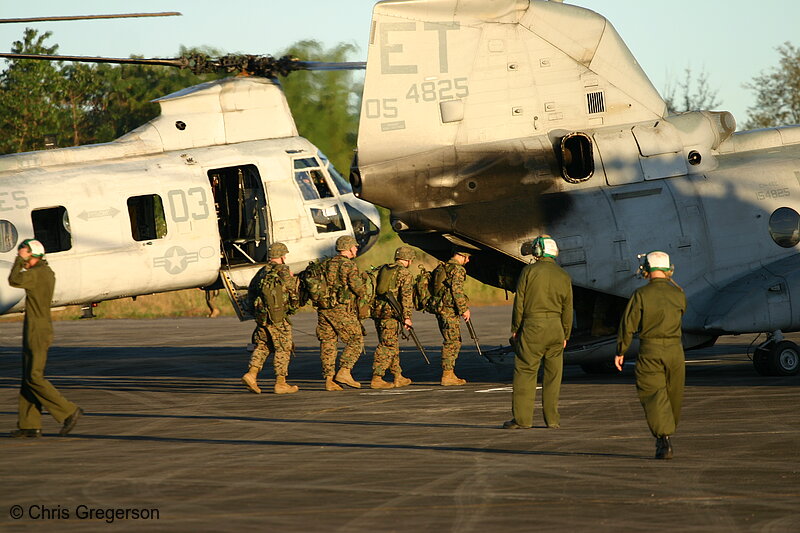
point(325, 103)
point(692, 94)
point(777, 92)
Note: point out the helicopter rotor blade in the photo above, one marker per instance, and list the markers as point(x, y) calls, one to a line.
point(323, 65)
point(90, 17)
point(179, 62)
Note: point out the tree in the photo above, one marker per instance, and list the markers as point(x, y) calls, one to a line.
point(325, 104)
point(694, 94)
point(777, 92)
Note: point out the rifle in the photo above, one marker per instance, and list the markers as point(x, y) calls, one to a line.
point(395, 305)
point(474, 336)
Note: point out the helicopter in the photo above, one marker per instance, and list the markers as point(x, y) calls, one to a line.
point(191, 199)
point(485, 124)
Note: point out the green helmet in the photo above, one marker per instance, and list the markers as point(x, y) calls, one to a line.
point(345, 242)
point(277, 249)
point(404, 252)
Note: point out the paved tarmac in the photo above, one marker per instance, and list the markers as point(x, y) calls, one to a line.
point(171, 436)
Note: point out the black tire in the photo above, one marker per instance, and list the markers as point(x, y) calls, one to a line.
point(604, 367)
point(761, 362)
point(784, 359)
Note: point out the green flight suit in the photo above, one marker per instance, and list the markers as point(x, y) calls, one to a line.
point(542, 321)
point(36, 392)
point(655, 311)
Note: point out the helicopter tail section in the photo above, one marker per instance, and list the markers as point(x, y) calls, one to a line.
point(447, 75)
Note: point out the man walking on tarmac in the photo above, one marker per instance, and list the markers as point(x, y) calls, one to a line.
point(340, 321)
point(32, 273)
point(275, 298)
point(656, 311)
point(394, 281)
point(453, 306)
point(540, 326)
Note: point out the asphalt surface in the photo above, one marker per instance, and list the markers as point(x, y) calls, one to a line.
point(172, 438)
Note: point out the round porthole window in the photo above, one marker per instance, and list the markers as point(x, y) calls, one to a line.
point(8, 236)
point(784, 227)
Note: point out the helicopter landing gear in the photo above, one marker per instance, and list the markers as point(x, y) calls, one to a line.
point(777, 357)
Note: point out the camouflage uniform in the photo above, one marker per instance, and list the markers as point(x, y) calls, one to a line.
point(276, 338)
point(387, 353)
point(455, 303)
point(37, 393)
point(341, 321)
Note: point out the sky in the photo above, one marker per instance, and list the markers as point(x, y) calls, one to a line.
point(730, 40)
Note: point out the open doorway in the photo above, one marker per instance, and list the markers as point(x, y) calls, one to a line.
point(241, 205)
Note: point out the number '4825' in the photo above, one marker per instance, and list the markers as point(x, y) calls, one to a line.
point(431, 91)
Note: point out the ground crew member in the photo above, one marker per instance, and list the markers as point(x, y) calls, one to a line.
point(387, 323)
point(274, 334)
point(540, 326)
point(341, 321)
point(656, 311)
point(31, 272)
point(455, 305)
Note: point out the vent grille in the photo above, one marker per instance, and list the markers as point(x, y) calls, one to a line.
point(596, 102)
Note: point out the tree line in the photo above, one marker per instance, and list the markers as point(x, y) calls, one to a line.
point(70, 104)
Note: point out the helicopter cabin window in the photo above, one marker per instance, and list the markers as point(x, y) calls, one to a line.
point(242, 217)
point(342, 184)
point(310, 179)
point(147, 217)
point(327, 219)
point(8, 236)
point(51, 228)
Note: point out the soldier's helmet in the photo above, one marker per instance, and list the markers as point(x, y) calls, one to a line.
point(277, 249)
point(545, 246)
point(345, 242)
point(36, 247)
point(404, 252)
point(657, 260)
point(462, 251)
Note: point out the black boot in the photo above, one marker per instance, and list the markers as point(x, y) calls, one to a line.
point(26, 434)
point(663, 447)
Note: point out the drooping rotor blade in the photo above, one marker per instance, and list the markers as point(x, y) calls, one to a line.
point(322, 65)
point(265, 66)
point(179, 62)
point(90, 17)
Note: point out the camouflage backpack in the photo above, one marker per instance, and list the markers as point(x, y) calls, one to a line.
point(438, 289)
point(270, 304)
point(366, 304)
point(385, 283)
point(421, 293)
point(314, 285)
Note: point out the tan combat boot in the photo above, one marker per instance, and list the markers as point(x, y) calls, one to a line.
point(450, 379)
point(331, 385)
point(249, 380)
point(343, 376)
point(401, 381)
point(378, 383)
point(281, 387)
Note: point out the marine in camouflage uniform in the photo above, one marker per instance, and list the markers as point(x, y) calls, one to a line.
point(271, 337)
point(541, 323)
point(455, 305)
point(656, 311)
point(341, 320)
point(32, 273)
point(388, 324)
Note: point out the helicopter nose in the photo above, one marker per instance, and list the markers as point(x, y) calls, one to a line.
point(366, 222)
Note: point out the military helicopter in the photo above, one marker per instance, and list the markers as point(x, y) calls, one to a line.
point(484, 124)
point(192, 198)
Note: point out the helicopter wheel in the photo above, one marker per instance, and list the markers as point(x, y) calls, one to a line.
point(784, 359)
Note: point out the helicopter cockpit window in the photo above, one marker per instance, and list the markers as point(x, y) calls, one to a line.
point(784, 227)
point(8, 236)
point(51, 228)
point(342, 184)
point(311, 180)
point(327, 219)
point(147, 217)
